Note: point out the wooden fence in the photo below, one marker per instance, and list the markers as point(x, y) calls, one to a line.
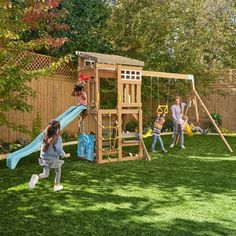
point(53, 98)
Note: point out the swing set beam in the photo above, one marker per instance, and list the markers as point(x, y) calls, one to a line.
point(165, 75)
point(196, 97)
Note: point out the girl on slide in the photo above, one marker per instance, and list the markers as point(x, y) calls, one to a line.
point(50, 152)
point(82, 100)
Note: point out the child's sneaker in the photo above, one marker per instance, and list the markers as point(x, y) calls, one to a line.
point(164, 150)
point(33, 181)
point(57, 188)
point(182, 147)
point(172, 145)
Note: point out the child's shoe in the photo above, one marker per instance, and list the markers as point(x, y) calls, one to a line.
point(33, 181)
point(164, 150)
point(154, 151)
point(172, 145)
point(57, 188)
point(182, 147)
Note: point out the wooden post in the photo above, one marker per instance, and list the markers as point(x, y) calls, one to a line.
point(97, 95)
point(212, 120)
point(142, 144)
point(195, 101)
point(119, 111)
point(145, 149)
point(99, 153)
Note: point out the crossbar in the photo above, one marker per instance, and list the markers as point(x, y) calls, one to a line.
point(166, 75)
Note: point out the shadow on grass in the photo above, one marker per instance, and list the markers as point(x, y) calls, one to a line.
point(129, 198)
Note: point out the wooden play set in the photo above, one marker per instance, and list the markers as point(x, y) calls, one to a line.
point(107, 124)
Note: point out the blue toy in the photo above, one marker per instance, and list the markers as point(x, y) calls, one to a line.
point(85, 147)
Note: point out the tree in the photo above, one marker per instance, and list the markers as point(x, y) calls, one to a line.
point(24, 28)
point(194, 37)
point(87, 21)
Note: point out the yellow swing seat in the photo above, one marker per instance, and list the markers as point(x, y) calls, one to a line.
point(148, 134)
point(188, 130)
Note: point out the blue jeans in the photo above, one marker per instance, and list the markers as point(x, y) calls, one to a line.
point(155, 139)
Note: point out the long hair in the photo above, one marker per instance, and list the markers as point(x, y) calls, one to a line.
point(178, 97)
point(52, 133)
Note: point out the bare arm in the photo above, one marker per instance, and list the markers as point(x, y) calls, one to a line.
point(173, 114)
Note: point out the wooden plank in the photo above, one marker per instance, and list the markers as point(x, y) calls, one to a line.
point(132, 105)
point(140, 129)
point(119, 111)
point(126, 81)
point(138, 93)
point(106, 66)
point(104, 161)
point(212, 120)
point(97, 95)
point(107, 74)
point(130, 144)
point(195, 102)
point(126, 67)
point(129, 111)
point(145, 150)
point(108, 111)
point(99, 152)
point(164, 75)
point(132, 93)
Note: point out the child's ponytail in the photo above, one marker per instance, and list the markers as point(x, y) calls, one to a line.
point(51, 134)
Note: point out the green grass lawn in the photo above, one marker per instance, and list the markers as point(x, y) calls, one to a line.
point(184, 192)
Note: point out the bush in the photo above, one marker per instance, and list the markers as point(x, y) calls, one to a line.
point(131, 126)
point(37, 126)
point(67, 137)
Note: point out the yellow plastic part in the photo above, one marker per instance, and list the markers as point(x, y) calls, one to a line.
point(188, 130)
point(148, 134)
point(162, 109)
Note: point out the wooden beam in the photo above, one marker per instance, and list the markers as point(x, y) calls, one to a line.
point(165, 75)
point(212, 120)
point(119, 111)
point(195, 101)
point(145, 150)
point(106, 66)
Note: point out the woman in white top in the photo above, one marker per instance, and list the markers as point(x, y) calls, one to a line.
point(177, 111)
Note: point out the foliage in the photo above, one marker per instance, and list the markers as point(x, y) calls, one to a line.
point(66, 137)
point(194, 37)
point(131, 126)
point(37, 126)
point(87, 20)
point(108, 93)
point(225, 131)
point(24, 27)
point(216, 118)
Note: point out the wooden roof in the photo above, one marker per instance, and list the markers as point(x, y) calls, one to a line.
point(109, 59)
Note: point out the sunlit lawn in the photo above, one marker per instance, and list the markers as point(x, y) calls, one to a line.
point(184, 192)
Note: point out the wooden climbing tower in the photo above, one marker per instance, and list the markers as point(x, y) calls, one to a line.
point(107, 124)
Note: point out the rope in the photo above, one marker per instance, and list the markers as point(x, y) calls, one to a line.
point(108, 139)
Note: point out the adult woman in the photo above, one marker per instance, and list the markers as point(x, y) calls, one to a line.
point(177, 111)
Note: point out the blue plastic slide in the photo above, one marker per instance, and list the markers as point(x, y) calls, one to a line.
point(65, 118)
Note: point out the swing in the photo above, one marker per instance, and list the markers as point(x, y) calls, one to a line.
point(163, 109)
